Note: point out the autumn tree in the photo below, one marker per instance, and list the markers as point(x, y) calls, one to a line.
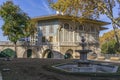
point(89, 9)
point(17, 24)
point(108, 36)
point(108, 43)
point(86, 8)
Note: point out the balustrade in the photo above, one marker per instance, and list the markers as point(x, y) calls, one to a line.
point(70, 43)
point(3, 43)
point(6, 43)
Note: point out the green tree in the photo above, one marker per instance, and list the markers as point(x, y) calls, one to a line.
point(17, 24)
point(109, 47)
point(108, 42)
point(7, 53)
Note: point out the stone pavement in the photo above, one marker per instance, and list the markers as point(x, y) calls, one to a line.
point(1, 76)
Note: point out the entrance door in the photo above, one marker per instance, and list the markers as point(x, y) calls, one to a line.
point(48, 54)
point(29, 53)
point(68, 54)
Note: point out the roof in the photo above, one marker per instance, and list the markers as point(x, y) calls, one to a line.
point(66, 17)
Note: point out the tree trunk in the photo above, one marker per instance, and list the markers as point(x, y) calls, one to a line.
point(109, 14)
point(116, 35)
point(15, 46)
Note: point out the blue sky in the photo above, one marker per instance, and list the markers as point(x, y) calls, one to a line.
point(33, 8)
point(36, 8)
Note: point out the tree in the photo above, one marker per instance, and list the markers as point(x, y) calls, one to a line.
point(7, 53)
point(108, 36)
point(86, 8)
point(108, 43)
point(109, 47)
point(89, 9)
point(17, 24)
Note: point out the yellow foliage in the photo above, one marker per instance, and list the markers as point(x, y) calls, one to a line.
point(108, 36)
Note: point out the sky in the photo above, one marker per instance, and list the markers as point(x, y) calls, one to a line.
point(35, 8)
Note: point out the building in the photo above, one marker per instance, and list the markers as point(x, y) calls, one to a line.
point(58, 36)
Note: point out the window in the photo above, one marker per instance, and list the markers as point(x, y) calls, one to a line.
point(66, 26)
point(77, 37)
point(43, 39)
point(76, 28)
point(93, 29)
point(81, 28)
point(36, 42)
point(36, 36)
point(51, 29)
point(93, 37)
point(44, 30)
point(51, 39)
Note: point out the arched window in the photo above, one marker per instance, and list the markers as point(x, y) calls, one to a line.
point(66, 26)
point(81, 28)
point(51, 29)
point(44, 30)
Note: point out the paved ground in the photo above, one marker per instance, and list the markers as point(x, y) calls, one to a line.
point(33, 69)
point(1, 76)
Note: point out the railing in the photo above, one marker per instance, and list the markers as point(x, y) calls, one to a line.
point(49, 43)
point(39, 44)
point(70, 43)
point(61, 43)
point(77, 43)
point(6, 43)
point(108, 56)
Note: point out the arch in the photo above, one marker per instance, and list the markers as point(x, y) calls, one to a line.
point(68, 54)
point(29, 53)
point(7, 53)
point(60, 29)
point(48, 54)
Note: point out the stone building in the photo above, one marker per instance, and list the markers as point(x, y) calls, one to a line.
point(58, 36)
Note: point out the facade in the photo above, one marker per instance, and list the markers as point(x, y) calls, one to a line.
point(58, 36)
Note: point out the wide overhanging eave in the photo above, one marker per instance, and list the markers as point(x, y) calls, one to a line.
point(67, 17)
